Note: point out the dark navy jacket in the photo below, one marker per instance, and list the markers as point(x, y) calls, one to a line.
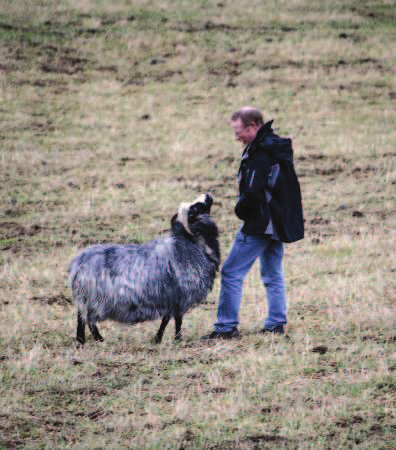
point(269, 193)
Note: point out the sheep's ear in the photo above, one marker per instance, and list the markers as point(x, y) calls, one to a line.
point(209, 200)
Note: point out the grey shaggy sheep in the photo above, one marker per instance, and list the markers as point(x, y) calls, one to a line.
point(140, 282)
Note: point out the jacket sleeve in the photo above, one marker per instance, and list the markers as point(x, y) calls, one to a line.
point(253, 198)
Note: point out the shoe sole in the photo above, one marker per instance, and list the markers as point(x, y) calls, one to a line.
point(225, 337)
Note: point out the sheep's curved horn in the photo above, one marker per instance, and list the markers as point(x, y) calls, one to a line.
point(182, 216)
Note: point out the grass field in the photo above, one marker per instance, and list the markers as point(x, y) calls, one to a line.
point(111, 114)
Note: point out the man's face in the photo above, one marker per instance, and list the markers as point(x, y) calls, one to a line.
point(244, 133)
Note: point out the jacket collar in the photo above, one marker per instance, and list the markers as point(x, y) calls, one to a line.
point(261, 133)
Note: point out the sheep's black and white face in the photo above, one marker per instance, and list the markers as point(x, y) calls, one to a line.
point(200, 206)
point(189, 213)
point(195, 220)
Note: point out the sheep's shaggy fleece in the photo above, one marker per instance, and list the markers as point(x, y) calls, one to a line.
point(163, 278)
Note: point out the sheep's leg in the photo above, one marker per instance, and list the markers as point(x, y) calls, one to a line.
point(160, 332)
point(80, 330)
point(95, 332)
point(178, 325)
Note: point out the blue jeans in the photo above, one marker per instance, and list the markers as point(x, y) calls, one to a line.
point(244, 252)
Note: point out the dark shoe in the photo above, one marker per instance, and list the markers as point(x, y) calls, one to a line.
point(222, 335)
point(278, 329)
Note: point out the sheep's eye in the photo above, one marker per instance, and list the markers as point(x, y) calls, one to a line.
point(197, 209)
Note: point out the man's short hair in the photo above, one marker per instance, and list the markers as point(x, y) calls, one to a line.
point(248, 114)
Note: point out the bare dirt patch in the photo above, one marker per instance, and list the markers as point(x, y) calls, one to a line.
point(255, 441)
point(346, 422)
point(272, 409)
point(331, 170)
point(311, 156)
point(42, 126)
point(321, 349)
point(95, 415)
point(59, 299)
point(7, 225)
point(64, 64)
point(32, 230)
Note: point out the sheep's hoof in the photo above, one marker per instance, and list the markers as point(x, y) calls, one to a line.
point(178, 338)
point(157, 339)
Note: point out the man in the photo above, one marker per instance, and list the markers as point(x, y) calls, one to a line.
point(261, 206)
